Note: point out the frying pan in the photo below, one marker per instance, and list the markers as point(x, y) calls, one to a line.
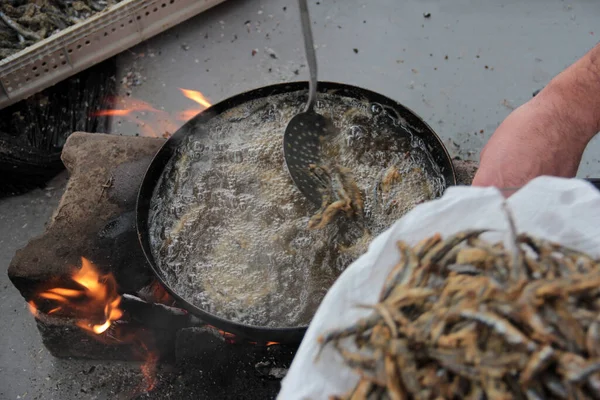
point(291, 335)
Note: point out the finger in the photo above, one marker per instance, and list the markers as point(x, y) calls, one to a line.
point(487, 177)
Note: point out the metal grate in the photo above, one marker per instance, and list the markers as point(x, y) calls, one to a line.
point(90, 42)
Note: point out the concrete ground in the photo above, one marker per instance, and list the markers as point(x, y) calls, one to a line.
point(462, 69)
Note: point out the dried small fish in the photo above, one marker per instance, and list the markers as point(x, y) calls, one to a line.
point(456, 339)
point(570, 328)
point(538, 361)
point(501, 326)
point(18, 28)
point(395, 388)
point(361, 391)
point(400, 271)
point(592, 340)
point(463, 318)
point(575, 368)
point(441, 249)
point(403, 297)
point(407, 366)
point(357, 329)
point(517, 253)
point(358, 360)
point(425, 245)
point(472, 256)
point(385, 313)
point(24, 23)
point(533, 395)
point(467, 269)
point(556, 387)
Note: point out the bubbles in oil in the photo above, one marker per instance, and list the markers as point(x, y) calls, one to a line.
point(229, 229)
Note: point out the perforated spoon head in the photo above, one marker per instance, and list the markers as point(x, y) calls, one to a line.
point(302, 147)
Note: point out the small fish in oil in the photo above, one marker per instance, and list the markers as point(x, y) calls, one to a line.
point(340, 194)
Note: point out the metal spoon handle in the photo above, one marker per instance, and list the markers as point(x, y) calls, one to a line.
point(311, 58)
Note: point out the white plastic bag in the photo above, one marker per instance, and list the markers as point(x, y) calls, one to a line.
point(563, 210)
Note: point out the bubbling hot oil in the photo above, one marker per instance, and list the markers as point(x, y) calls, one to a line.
point(229, 229)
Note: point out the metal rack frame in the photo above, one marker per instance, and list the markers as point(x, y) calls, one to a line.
point(90, 42)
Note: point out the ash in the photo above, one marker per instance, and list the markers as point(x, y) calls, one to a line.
point(229, 229)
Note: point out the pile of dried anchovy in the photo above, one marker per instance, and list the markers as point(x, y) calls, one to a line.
point(463, 318)
point(25, 22)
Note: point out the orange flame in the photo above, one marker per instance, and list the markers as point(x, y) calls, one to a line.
point(196, 96)
point(32, 308)
point(129, 106)
point(94, 302)
point(151, 121)
point(91, 298)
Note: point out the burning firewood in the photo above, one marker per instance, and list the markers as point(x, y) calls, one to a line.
point(460, 317)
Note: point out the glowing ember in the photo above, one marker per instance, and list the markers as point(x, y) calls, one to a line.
point(156, 293)
point(149, 371)
point(154, 122)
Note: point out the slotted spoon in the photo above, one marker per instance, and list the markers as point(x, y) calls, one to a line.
point(306, 131)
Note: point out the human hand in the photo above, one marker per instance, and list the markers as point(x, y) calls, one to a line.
point(548, 134)
point(536, 139)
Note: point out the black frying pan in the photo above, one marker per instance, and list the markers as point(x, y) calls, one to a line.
point(256, 333)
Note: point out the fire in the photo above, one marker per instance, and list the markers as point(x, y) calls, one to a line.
point(196, 96)
point(152, 121)
point(32, 308)
point(92, 299)
point(128, 106)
